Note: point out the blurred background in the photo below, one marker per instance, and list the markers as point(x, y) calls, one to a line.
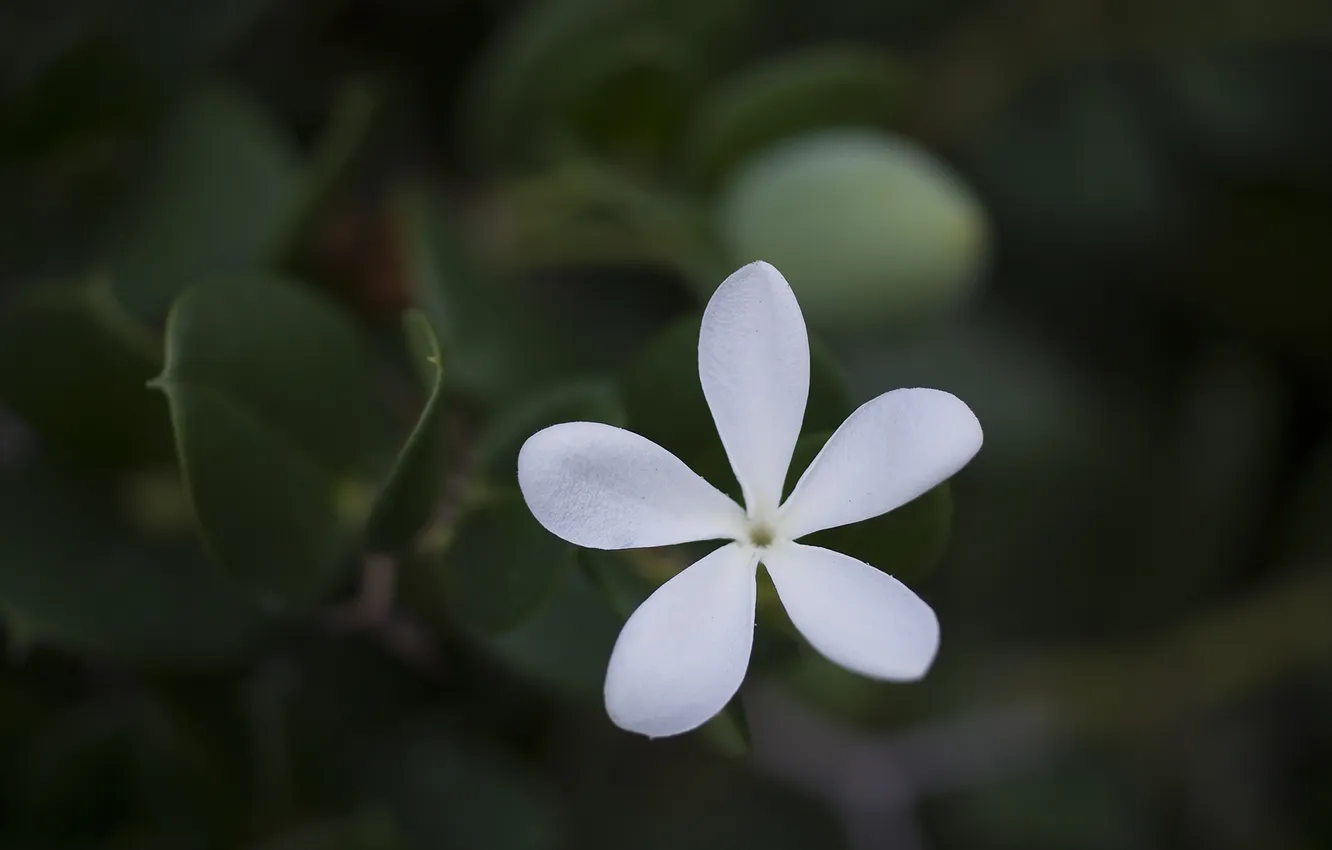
point(285, 598)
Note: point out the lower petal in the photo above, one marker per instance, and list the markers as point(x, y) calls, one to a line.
point(854, 615)
point(682, 655)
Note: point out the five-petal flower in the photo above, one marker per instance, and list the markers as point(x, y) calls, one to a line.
point(683, 654)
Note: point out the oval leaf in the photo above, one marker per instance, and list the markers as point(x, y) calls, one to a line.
point(503, 565)
point(279, 427)
point(868, 227)
point(70, 578)
point(566, 646)
point(66, 349)
point(219, 201)
point(422, 773)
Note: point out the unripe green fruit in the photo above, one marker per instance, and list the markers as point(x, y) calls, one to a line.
point(866, 227)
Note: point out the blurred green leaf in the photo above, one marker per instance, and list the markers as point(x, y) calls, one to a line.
point(171, 39)
point(1083, 803)
point(1259, 265)
point(789, 95)
point(280, 428)
point(71, 578)
point(219, 201)
point(728, 732)
point(128, 764)
point(869, 229)
point(719, 806)
point(66, 349)
point(907, 542)
point(408, 497)
point(549, 55)
point(621, 586)
point(341, 141)
point(503, 565)
point(484, 333)
point(1075, 177)
point(578, 401)
point(1304, 535)
point(567, 645)
point(365, 830)
point(665, 402)
point(505, 337)
point(629, 101)
point(587, 214)
point(454, 791)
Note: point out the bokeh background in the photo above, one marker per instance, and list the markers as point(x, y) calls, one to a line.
point(1105, 225)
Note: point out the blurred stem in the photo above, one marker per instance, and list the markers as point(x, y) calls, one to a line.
point(372, 613)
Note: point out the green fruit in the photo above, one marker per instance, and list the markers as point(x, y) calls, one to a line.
point(868, 228)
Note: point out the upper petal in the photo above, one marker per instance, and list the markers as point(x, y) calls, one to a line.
point(853, 614)
point(683, 654)
point(753, 361)
point(607, 488)
point(889, 451)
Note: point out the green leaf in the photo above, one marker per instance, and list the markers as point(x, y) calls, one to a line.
point(67, 349)
point(446, 790)
point(728, 732)
point(503, 565)
point(868, 228)
point(546, 61)
point(907, 543)
point(629, 102)
point(576, 401)
point(341, 141)
point(665, 401)
point(219, 201)
point(408, 497)
point(508, 336)
point(280, 430)
point(613, 575)
point(567, 645)
point(794, 93)
point(483, 333)
point(71, 578)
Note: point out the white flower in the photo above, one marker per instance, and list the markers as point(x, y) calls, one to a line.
point(683, 654)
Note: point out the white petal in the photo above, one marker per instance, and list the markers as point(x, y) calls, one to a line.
point(854, 615)
point(607, 488)
point(683, 654)
point(889, 451)
point(753, 361)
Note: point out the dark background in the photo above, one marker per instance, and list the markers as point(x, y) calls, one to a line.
point(1135, 297)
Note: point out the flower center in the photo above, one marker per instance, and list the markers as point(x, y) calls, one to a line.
point(760, 534)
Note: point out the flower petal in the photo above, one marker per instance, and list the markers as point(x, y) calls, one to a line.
point(889, 451)
point(854, 615)
point(753, 361)
point(607, 488)
point(683, 654)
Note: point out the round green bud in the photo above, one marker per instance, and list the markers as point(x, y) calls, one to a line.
point(867, 227)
